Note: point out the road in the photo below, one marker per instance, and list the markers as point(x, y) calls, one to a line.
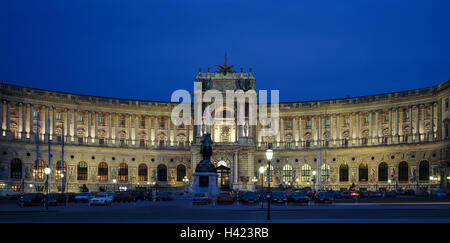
point(183, 212)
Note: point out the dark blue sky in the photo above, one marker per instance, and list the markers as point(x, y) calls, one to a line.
point(308, 50)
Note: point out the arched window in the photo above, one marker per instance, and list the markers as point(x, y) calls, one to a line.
point(59, 170)
point(363, 172)
point(123, 172)
point(16, 169)
point(82, 170)
point(162, 173)
point(325, 172)
point(143, 172)
point(343, 172)
point(103, 171)
point(40, 170)
point(424, 171)
point(306, 173)
point(382, 172)
point(287, 175)
point(403, 171)
point(181, 172)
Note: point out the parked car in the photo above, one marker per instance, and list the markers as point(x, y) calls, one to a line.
point(346, 195)
point(83, 197)
point(101, 199)
point(438, 193)
point(375, 194)
point(364, 194)
point(201, 198)
point(324, 197)
point(299, 197)
point(225, 198)
point(250, 198)
point(354, 194)
point(164, 196)
point(70, 197)
point(30, 199)
point(138, 195)
point(126, 196)
point(337, 194)
point(279, 197)
point(410, 192)
point(391, 193)
point(56, 199)
point(422, 193)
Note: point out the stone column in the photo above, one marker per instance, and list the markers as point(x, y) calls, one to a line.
point(75, 124)
point(338, 133)
point(109, 128)
point(357, 129)
point(67, 128)
point(149, 131)
point(377, 127)
point(169, 139)
point(32, 138)
point(156, 132)
point(281, 142)
point(96, 128)
point(8, 120)
point(390, 125)
point(410, 125)
point(352, 139)
point(136, 131)
point(130, 122)
point(300, 133)
point(313, 131)
point(54, 124)
point(417, 138)
point(89, 137)
point(397, 138)
point(432, 122)
point(24, 121)
point(116, 129)
point(47, 124)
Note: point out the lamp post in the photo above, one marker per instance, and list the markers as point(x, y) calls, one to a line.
point(115, 182)
point(254, 180)
point(389, 184)
point(314, 179)
point(431, 181)
point(269, 154)
point(185, 180)
point(261, 172)
point(47, 172)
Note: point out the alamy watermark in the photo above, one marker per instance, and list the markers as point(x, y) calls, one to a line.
point(220, 111)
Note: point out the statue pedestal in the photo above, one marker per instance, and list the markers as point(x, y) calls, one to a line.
point(205, 182)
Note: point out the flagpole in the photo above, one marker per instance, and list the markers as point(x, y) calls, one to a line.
point(47, 128)
point(326, 141)
point(62, 160)
point(37, 153)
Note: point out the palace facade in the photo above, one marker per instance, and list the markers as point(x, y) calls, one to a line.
point(393, 140)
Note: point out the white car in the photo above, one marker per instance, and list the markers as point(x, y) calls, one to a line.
point(101, 199)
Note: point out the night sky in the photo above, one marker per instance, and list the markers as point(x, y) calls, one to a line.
point(309, 50)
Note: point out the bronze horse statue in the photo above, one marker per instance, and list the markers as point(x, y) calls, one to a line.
point(206, 148)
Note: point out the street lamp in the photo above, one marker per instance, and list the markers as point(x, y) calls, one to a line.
point(389, 184)
point(47, 172)
point(431, 181)
point(269, 155)
point(261, 172)
point(314, 179)
point(115, 182)
point(185, 180)
point(254, 180)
